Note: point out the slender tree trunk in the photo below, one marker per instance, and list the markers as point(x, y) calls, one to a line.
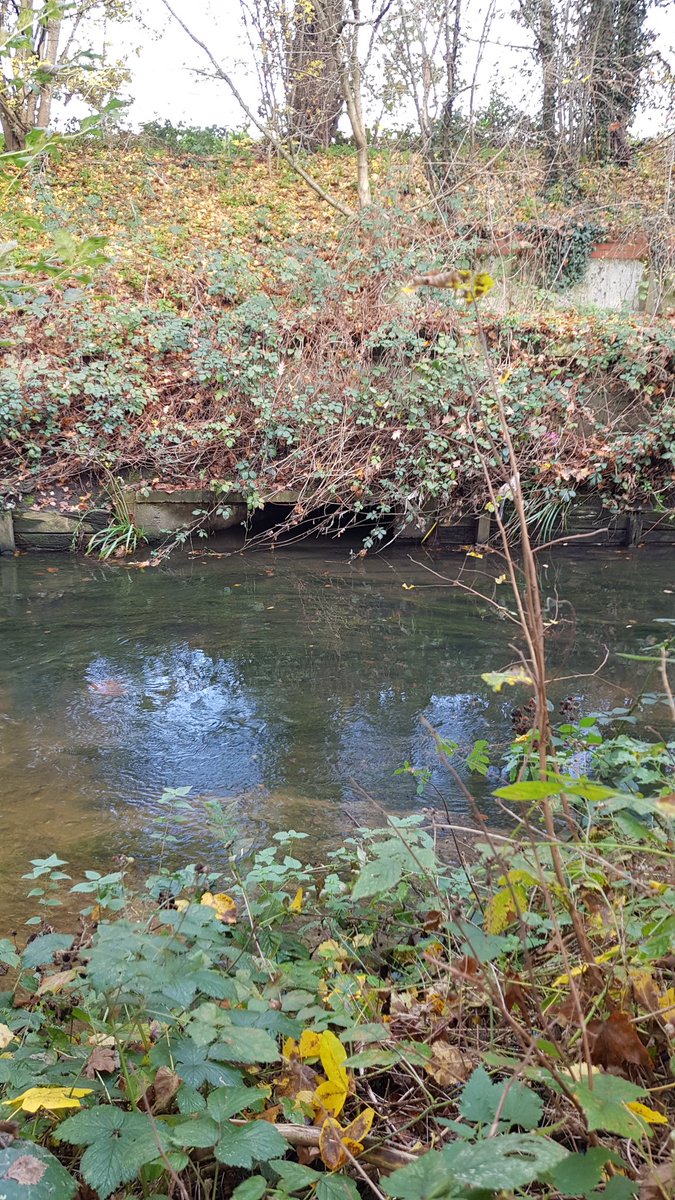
point(549, 105)
point(49, 59)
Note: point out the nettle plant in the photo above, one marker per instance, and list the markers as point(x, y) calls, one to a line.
point(297, 1027)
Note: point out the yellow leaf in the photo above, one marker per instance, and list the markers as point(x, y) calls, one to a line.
point(332, 1054)
point(408, 587)
point(48, 1097)
point(290, 1048)
point(504, 907)
point(6, 1036)
point(583, 967)
point(55, 983)
point(501, 578)
point(336, 1144)
point(296, 903)
point(331, 1096)
point(310, 1044)
point(360, 1127)
point(330, 1145)
point(223, 905)
point(181, 905)
point(497, 679)
point(650, 1115)
point(666, 1004)
point(473, 554)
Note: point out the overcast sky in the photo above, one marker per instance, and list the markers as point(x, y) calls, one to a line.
point(171, 77)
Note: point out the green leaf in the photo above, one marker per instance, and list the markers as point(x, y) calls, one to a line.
point(505, 1162)
point(426, 1179)
point(336, 1187)
point(251, 1189)
point(189, 1100)
point(295, 1176)
point(535, 789)
point(34, 1174)
point(226, 1102)
point(478, 1101)
point(379, 875)
point(245, 1045)
point(43, 949)
point(617, 1188)
point(195, 1064)
point(118, 1145)
point(604, 1105)
point(8, 954)
point(198, 1134)
point(580, 1174)
point(242, 1145)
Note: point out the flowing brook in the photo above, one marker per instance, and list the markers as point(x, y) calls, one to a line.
point(292, 684)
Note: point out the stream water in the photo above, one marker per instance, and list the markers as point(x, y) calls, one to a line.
point(291, 683)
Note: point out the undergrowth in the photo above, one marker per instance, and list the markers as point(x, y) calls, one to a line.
point(397, 1019)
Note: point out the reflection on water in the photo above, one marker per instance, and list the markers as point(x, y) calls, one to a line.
point(293, 683)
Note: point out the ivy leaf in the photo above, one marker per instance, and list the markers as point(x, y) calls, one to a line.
point(242, 1145)
point(118, 1145)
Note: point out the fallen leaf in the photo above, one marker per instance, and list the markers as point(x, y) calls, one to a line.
point(296, 903)
point(51, 984)
point(102, 1059)
point(108, 687)
point(160, 1095)
point(6, 1036)
point(616, 1044)
point(223, 905)
point(447, 1064)
point(657, 1183)
point(650, 1115)
point(51, 1098)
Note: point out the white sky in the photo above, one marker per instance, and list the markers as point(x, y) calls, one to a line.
point(170, 75)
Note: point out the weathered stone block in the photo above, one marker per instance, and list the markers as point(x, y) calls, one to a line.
point(6, 533)
point(162, 511)
point(41, 529)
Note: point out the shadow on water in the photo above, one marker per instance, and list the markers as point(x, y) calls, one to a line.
point(273, 680)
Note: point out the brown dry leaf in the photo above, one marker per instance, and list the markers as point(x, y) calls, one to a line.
point(56, 983)
point(616, 1044)
point(102, 1059)
point(9, 1130)
point(27, 1170)
point(447, 1065)
point(330, 1144)
point(160, 1095)
point(298, 1078)
point(271, 1114)
point(108, 687)
point(6, 1036)
point(658, 1183)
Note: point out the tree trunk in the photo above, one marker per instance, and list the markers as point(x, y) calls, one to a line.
point(314, 93)
point(549, 104)
point(51, 50)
